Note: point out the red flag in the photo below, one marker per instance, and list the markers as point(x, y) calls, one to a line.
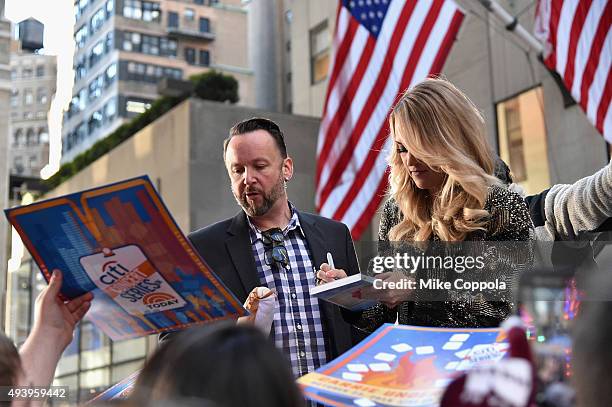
point(381, 48)
point(578, 46)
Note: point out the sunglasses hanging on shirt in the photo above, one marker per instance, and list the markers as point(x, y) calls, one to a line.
point(276, 252)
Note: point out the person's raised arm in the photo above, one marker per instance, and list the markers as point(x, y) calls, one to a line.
point(53, 331)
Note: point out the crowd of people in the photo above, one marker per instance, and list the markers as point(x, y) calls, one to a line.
point(446, 185)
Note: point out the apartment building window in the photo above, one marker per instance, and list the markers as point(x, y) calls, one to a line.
point(18, 164)
point(14, 98)
point(190, 55)
point(95, 122)
point(80, 69)
point(81, 132)
point(31, 137)
point(96, 54)
point(26, 72)
point(131, 41)
point(110, 74)
point(110, 7)
point(40, 70)
point(204, 57)
point(319, 52)
point(110, 110)
point(95, 88)
point(134, 106)
point(41, 95)
point(40, 114)
point(204, 25)
point(200, 2)
point(108, 42)
point(168, 47)
point(132, 9)
point(173, 19)
point(137, 71)
point(142, 10)
point(149, 44)
point(79, 7)
point(80, 37)
point(151, 11)
point(97, 20)
point(522, 139)
point(43, 135)
point(17, 138)
point(33, 161)
point(28, 97)
point(82, 99)
point(189, 14)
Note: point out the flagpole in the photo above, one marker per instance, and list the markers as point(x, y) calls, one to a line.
point(512, 24)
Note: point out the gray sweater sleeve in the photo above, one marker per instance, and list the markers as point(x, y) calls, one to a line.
point(573, 209)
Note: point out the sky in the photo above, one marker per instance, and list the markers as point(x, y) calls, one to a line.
point(57, 16)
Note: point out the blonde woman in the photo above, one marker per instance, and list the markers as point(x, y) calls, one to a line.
point(442, 188)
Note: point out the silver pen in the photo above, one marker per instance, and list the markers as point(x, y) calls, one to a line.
point(330, 260)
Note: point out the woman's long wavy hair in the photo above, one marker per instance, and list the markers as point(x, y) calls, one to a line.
point(442, 128)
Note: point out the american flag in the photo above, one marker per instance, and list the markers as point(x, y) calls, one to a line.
point(381, 48)
point(578, 46)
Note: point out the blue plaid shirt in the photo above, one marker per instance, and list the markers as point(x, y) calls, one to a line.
point(297, 328)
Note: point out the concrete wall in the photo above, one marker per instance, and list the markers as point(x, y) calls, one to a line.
point(211, 198)
point(307, 98)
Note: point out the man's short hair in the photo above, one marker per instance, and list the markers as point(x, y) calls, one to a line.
point(258, 123)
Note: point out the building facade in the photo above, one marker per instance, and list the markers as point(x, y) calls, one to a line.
point(534, 127)
point(33, 78)
point(5, 91)
point(124, 47)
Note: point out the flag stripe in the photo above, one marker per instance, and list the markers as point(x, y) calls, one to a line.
point(555, 11)
point(345, 33)
point(370, 210)
point(585, 43)
point(349, 66)
point(366, 114)
point(604, 105)
point(563, 34)
point(593, 61)
point(577, 24)
point(376, 150)
point(355, 95)
point(362, 197)
point(414, 40)
point(578, 45)
point(596, 87)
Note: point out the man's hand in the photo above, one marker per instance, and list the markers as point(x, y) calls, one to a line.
point(55, 317)
point(326, 274)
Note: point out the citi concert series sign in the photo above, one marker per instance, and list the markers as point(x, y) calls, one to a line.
point(120, 242)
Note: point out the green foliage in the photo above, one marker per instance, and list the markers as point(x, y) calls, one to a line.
point(210, 85)
point(213, 85)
